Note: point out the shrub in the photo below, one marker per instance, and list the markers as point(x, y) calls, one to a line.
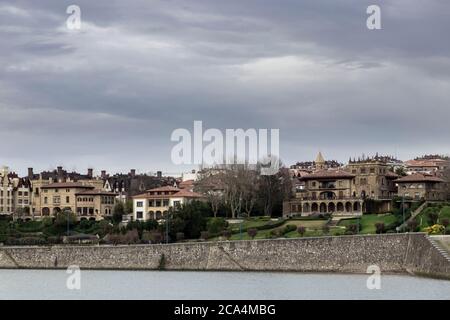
point(412, 225)
point(204, 235)
point(156, 237)
point(289, 228)
point(252, 232)
point(351, 229)
point(432, 218)
point(379, 226)
point(301, 230)
point(445, 222)
point(326, 229)
point(180, 236)
point(226, 234)
point(435, 229)
point(216, 225)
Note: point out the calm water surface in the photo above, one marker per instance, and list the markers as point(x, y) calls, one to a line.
point(51, 284)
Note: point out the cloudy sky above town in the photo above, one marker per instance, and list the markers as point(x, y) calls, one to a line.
point(110, 95)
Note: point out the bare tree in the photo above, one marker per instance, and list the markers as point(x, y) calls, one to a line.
point(210, 185)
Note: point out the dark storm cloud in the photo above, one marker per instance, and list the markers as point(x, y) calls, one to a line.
point(110, 94)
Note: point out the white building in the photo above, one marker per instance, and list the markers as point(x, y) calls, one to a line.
point(155, 203)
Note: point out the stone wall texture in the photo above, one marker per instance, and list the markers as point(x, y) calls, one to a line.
point(412, 253)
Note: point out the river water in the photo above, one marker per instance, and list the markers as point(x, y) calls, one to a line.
point(51, 284)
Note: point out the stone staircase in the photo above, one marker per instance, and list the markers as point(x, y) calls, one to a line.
point(439, 247)
point(414, 214)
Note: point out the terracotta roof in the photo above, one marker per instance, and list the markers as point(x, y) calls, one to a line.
point(58, 185)
point(165, 188)
point(426, 163)
point(417, 177)
point(328, 174)
point(390, 174)
point(96, 192)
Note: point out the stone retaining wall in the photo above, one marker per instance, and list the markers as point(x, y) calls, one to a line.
point(391, 252)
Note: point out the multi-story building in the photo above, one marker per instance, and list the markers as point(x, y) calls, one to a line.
point(345, 191)
point(427, 165)
point(326, 191)
point(6, 192)
point(15, 194)
point(80, 198)
point(131, 184)
point(155, 203)
point(420, 186)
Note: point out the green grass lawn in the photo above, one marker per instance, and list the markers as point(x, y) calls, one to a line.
point(251, 223)
point(368, 222)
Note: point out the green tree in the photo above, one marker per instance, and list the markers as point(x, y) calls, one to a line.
point(118, 212)
point(189, 219)
point(128, 207)
point(65, 217)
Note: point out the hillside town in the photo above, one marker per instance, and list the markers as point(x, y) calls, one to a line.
point(337, 195)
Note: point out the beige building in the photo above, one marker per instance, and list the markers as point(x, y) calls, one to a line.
point(345, 191)
point(15, 194)
point(419, 186)
point(155, 203)
point(326, 191)
point(80, 198)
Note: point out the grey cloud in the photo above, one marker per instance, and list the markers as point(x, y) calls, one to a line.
point(139, 69)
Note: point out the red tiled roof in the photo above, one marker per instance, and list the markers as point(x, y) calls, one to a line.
point(418, 177)
point(390, 174)
point(165, 188)
point(96, 192)
point(328, 174)
point(426, 163)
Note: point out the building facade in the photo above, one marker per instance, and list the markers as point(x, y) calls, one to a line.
point(155, 203)
point(420, 186)
point(344, 191)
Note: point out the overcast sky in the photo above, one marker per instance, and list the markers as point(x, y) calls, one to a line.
point(109, 96)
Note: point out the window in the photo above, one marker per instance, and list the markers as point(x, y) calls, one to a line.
point(176, 203)
point(313, 184)
point(341, 183)
point(45, 200)
point(372, 170)
point(158, 203)
point(67, 199)
point(139, 204)
point(165, 202)
point(363, 170)
point(56, 200)
point(67, 190)
point(139, 215)
point(354, 171)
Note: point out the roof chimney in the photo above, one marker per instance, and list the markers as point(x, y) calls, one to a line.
point(132, 172)
point(103, 174)
point(159, 174)
point(90, 173)
point(59, 171)
point(30, 173)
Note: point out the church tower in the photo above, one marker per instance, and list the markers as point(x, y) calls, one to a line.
point(320, 162)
